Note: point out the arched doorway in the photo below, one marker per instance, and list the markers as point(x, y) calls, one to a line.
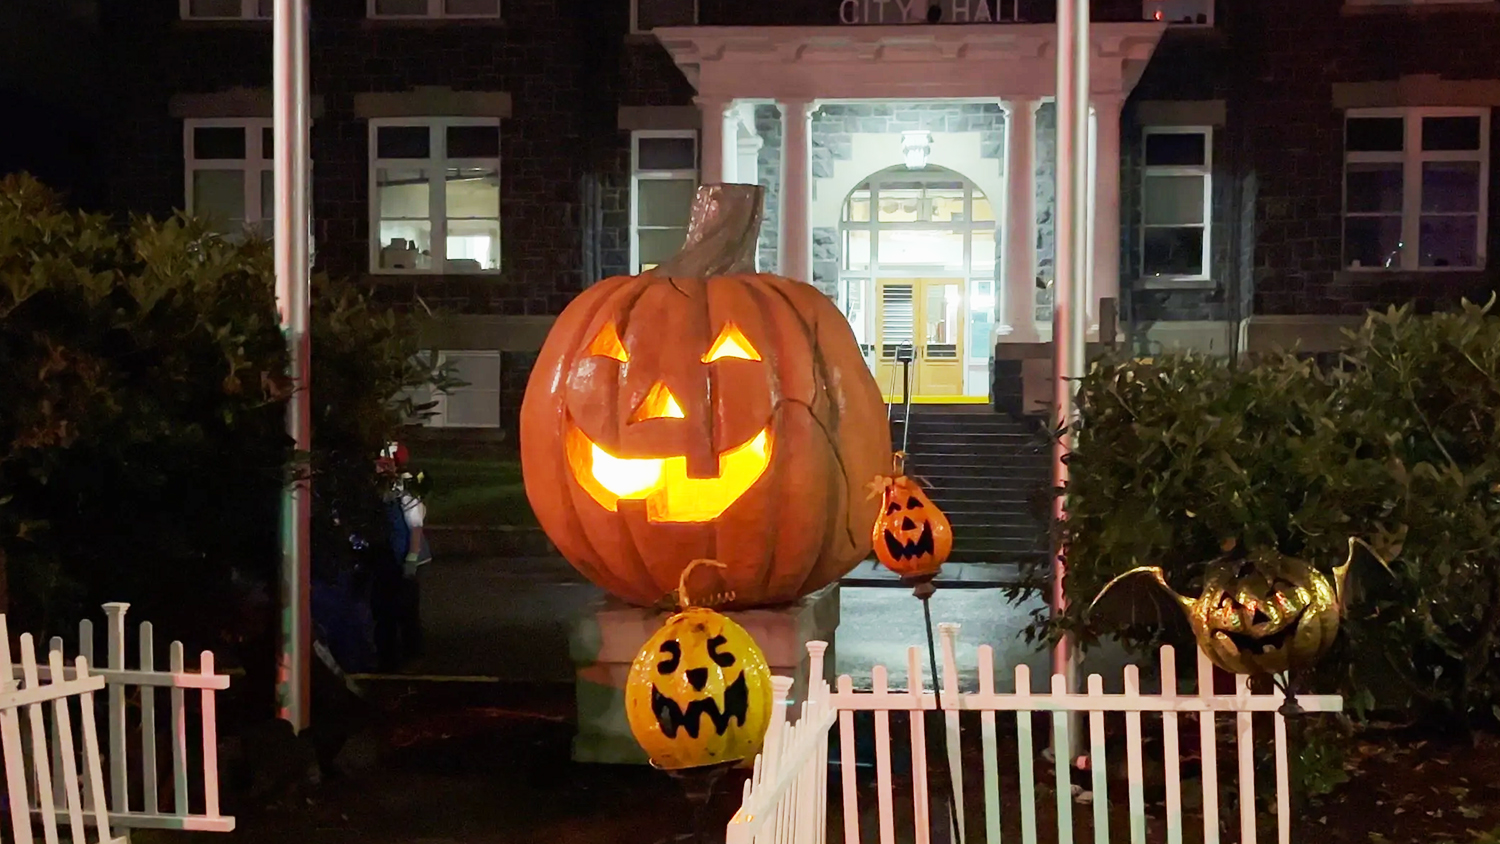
point(918, 257)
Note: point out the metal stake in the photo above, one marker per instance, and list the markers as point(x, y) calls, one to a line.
point(290, 119)
point(923, 589)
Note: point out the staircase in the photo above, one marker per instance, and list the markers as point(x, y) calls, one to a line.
point(986, 471)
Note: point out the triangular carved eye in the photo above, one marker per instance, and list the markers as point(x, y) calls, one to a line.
point(607, 344)
point(732, 343)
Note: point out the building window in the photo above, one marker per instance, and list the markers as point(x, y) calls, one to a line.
point(399, 9)
point(1416, 185)
point(435, 188)
point(646, 15)
point(229, 174)
point(1176, 199)
point(1180, 12)
point(664, 170)
point(475, 403)
point(225, 10)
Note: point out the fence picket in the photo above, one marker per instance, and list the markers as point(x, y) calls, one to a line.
point(883, 761)
point(1025, 756)
point(920, 793)
point(847, 762)
point(93, 765)
point(1209, 751)
point(59, 787)
point(40, 756)
point(68, 761)
point(1283, 779)
point(1171, 753)
point(1133, 767)
point(1244, 744)
point(992, 802)
point(10, 741)
point(949, 634)
point(1061, 740)
point(1098, 762)
point(149, 790)
point(119, 776)
point(175, 662)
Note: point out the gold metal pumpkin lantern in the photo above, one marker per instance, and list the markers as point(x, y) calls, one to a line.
point(1263, 614)
point(699, 691)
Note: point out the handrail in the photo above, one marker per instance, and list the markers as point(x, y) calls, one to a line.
point(905, 354)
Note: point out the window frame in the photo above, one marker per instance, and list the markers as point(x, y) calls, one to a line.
point(1411, 158)
point(637, 175)
point(1206, 170)
point(1398, 4)
point(436, 10)
point(437, 199)
point(252, 165)
point(249, 11)
point(635, 17)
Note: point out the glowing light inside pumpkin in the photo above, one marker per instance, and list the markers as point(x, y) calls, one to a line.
point(732, 343)
point(663, 482)
point(659, 403)
point(607, 344)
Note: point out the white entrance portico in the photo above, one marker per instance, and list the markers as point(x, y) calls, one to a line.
point(982, 65)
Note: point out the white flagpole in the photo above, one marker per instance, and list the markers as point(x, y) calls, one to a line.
point(1069, 307)
point(290, 122)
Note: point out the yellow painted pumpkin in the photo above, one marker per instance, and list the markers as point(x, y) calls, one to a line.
point(703, 411)
point(699, 691)
point(912, 537)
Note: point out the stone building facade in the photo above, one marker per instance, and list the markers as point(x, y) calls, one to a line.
point(1274, 82)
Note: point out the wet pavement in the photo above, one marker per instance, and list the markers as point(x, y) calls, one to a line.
point(509, 620)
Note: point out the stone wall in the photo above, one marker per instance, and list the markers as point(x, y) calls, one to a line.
point(768, 173)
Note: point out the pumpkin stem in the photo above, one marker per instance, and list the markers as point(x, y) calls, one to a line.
point(898, 463)
point(682, 594)
point(722, 233)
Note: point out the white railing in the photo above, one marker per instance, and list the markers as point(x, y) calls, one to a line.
point(39, 773)
point(790, 783)
point(125, 685)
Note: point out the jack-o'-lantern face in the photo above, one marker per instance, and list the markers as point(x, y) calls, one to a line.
point(1265, 614)
point(912, 536)
point(664, 481)
point(699, 692)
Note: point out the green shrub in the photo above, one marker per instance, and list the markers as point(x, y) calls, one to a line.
point(1180, 457)
point(142, 398)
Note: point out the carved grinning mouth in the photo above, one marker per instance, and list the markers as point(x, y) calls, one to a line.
point(1249, 644)
point(670, 716)
point(921, 546)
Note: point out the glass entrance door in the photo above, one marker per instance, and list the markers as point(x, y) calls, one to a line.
point(927, 313)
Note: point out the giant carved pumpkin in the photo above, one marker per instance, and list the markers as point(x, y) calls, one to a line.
point(703, 411)
point(911, 537)
point(1265, 613)
point(699, 691)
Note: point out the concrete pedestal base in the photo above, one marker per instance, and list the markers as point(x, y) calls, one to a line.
point(604, 642)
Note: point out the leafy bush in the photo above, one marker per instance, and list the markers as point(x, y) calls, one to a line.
point(1179, 458)
point(142, 398)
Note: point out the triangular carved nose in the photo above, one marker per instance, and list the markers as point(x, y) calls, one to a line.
point(659, 403)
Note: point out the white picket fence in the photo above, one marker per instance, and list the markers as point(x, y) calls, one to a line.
point(786, 799)
point(124, 685)
point(36, 775)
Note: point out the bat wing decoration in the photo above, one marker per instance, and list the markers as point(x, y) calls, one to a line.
point(1141, 597)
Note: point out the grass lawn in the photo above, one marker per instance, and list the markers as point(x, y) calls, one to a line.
point(476, 491)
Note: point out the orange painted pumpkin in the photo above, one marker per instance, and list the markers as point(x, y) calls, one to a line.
point(701, 410)
point(912, 537)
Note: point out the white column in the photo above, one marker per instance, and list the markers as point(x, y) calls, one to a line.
point(795, 246)
point(1019, 297)
point(1106, 223)
point(718, 147)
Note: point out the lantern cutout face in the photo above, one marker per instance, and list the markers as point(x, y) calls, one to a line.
point(699, 691)
point(912, 537)
point(664, 484)
point(1264, 614)
point(682, 413)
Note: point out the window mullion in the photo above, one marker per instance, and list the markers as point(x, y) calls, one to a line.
point(1411, 193)
point(438, 198)
point(434, 8)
